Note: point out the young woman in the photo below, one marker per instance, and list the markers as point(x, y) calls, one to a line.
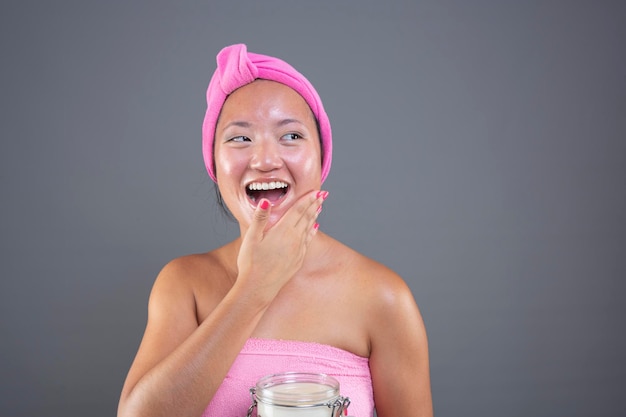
point(284, 296)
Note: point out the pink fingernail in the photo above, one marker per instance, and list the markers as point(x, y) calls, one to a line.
point(265, 204)
point(316, 226)
point(323, 194)
point(319, 209)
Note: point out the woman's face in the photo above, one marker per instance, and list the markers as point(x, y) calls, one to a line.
point(266, 146)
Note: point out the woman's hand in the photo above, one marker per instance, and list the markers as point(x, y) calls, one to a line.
point(269, 258)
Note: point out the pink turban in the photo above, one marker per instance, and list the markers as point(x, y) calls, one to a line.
point(237, 67)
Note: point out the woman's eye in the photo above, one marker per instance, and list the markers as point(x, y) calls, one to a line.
point(292, 136)
point(239, 139)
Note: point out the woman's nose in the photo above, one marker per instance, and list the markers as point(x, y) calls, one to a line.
point(266, 156)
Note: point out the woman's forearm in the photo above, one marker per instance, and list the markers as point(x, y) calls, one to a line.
point(184, 382)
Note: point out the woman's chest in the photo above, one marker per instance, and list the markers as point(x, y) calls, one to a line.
point(317, 313)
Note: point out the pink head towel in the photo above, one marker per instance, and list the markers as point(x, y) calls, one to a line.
point(237, 67)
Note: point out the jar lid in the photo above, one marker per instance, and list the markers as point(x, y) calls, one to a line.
point(297, 389)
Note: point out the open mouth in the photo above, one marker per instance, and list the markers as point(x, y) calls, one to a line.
point(272, 191)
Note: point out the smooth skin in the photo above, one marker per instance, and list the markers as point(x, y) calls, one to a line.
point(281, 279)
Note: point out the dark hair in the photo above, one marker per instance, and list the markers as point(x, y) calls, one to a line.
point(221, 204)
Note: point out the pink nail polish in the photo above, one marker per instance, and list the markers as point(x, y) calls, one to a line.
point(264, 205)
point(316, 226)
point(322, 194)
point(319, 209)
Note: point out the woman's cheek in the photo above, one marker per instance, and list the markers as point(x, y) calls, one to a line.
point(307, 162)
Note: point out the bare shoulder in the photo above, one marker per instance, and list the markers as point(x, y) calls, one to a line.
point(391, 302)
point(372, 280)
point(184, 273)
point(192, 282)
point(380, 299)
point(188, 270)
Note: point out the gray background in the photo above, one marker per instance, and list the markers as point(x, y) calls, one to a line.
point(480, 151)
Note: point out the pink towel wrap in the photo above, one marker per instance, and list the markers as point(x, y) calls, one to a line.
point(261, 357)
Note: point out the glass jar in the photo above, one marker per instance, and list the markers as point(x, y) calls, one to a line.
point(297, 394)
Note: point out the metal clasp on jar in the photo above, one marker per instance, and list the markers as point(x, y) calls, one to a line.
point(251, 409)
point(339, 406)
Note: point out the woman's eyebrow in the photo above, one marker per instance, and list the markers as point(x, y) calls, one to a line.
point(284, 122)
point(237, 123)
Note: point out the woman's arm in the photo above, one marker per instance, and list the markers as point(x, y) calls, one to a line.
point(180, 365)
point(399, 355)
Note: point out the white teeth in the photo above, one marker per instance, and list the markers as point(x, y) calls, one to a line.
point(256, 186)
